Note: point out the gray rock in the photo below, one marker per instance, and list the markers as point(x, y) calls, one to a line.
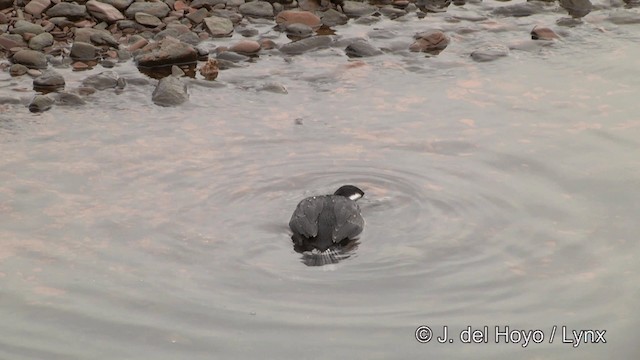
point(361, 48)
point(49, 80)
point(433, 5)
point(18, 70)
point(190, 38)
point(358, 9)
point(489, 53)
point(36, 7)
point(333, 18)
point(391, 12)
point(41, 41)
point(157, 9)
point(258, 8)
point(171, 51)
point(577, 8)
point(147, 19)
point(518, 10)
point(10, 100)
point(8, 41)
point(298, 29)
point(230, 56)
point(83, 51)
point(218, 26)
point(173, 30)
point(21, 27)
point(177, 71)
point(273, 87)
point(103, 11)
point(229, 14)
point(5, 4)
point(67, 99)
point(197, 4)
point(105, 80)
point(118, 4)
point(68, 10)
point(198, 16)
point(171, 91)
point(104, 38)
point(40, 103)
point(305, 45)
point(624, 17)
point(31, 59)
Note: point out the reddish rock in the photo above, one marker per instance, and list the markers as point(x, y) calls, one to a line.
point(543, 33)
point(432, 42)
point(179, 5)
point(245, 47)
point(7, 43)
point(267, 44)
point(138, 45)
point(79, 65)
point(288, 17)
point(104, 11)
point(210, 69)
point(37, 7)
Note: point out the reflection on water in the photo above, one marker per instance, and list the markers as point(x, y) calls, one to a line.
point(498, 194)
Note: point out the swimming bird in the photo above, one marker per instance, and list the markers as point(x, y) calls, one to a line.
point(327, 222)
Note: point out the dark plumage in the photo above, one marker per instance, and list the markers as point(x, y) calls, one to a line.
point(327, 221)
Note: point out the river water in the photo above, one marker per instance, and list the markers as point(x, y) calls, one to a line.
point(497, 194)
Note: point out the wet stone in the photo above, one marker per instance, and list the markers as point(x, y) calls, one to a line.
point(218, 26)
point(577, 8)
point(105, 80)
point(210, 69)
point(83, 51)
point(10, 41)
point(41, 41)
point(432, 42)
point(198, 16)
point(543, 33)
point(245, 47)
point(68, 10)
point(170, 52)
point(391, 12)
point(489, 53)
point(157, 9)
point(232, 57)
point(118, 4)
point(18, 70)
point(624, 17)
point(247, 32)
point(298, 30)
point(170, 91)
point(50, 80)
point(433, 5)
point(21, 27)
point(518, 10)
point(31, 59)
point(103, 11)
point(258, 8)
point(361, 48)
point(358, 9)
point(40, 103)
point(288, 17)
point(147, 19)
point(67, 99)
point(273, 87)
point(333, 18)
point(228, 14)
point(305, 45)
point(197, 4)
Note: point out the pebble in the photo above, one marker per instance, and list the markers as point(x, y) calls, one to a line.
point(40, 103)
point(289, 17)
point(170, 91)
point(298, 30)
point(171, 51)
point(577, 8)
point(41, 41)
point(258, 8)
point(361, 48)
point(245, 47)
point(10, 41)
point(518, 10)
point(219, 26)
point(102, 81)
point(31, 59)
point(37, 7)
point(83, 51)
point(157, 9)
point(210, 69)
point(624, 17)
point(67, 99)
point(18, 70)
point(273, 87)
point(358, 9)
point(68, 10)
point(543, 33)
point(104, 11)
point(197, 4)
point(198, 16)
point(489, 53)
point(432, 42)
point(147, 19)
point(22, 27)
point(307, 44)
point(332, 17)
point(50, 80)
point(118, 4)
point(433, 5)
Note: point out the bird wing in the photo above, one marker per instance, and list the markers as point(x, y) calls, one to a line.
point(304, 220)
point(349, 222)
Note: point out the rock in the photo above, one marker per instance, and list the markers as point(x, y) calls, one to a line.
point(624, 17)
point(171, 91)
point(68, 10)
point(147, 19)
point(288, 17)
point(40, 103)
point(157, 9)
point(304, 45)
point(433, 5)
point(577, 8)
point(228, 14)
point(10, 41)
point(210, 69)
point(50, 80)
point(190, 38)
point(37, 7)
point(171, 51)
point(31, 59)
point(18, 70)
point(543, 33)
point(273, 87)
point(197, 4)
point(358, 9)
point(245, 47)
point(432, 42)
point(103, 11)
point(4, 19)
point(10, 100)
point(118, 4)
point(361, 48)
point(489, 53)
point(105, 80)
point(198, 16)
point(41, 41)
point(218, 26)
point(246, 31)
point(298, 30)
point(67, 99)
point(258, 8)
point(391, 12)
point(83, 51)
point(333, 18)
point(104, 38)
point(176, 71)
point(21, 27)
point(518, 10)
point(226, 57)
point(5, 4)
